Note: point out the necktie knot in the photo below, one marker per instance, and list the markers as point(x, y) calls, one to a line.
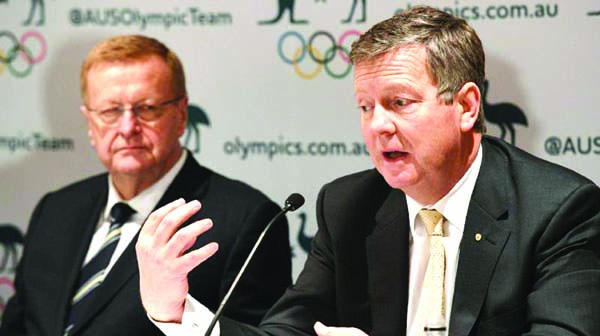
point(120, 213)
point(434, 222)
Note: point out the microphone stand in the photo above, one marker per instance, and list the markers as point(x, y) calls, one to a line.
point(292, 203)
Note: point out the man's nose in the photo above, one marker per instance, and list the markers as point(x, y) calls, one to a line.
point(129, 123)
point(382, 120)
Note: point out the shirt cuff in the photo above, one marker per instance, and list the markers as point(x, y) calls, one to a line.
point(195, 321)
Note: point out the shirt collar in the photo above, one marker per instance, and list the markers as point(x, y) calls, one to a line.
point(146, 201)
point(455, 204)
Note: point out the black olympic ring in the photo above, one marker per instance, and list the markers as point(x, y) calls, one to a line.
point(333, 46)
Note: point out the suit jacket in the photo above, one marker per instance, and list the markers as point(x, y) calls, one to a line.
point(64, 221)
point(536, 270)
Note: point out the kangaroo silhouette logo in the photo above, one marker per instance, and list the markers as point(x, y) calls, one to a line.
point(36, 6)
point(283, 6)
point(505, 115)
point(195, 117)
point(363, 17)
point(10, 238)
point(303, 239)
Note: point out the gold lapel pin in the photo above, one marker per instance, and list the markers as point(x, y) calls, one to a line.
point(478, 236)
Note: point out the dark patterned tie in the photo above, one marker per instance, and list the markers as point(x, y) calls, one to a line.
point(93, 273)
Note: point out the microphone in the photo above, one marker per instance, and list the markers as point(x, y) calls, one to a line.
point(292, 203)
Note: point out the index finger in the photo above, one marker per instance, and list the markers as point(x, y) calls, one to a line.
point(173, 220)
point(149, 227)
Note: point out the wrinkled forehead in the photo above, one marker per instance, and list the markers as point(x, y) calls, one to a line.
point(128, 79)
point(150, 60)
point(393, 56)
point(403, 60)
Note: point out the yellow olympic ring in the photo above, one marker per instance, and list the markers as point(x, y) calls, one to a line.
point(3, 56)
point(297, 69)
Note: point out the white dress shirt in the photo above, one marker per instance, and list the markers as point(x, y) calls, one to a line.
point(142, 203)
point(454, 206)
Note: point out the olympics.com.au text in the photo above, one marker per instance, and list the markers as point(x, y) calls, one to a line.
point(282, 147)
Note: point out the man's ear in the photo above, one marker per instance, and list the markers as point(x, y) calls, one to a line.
point(182, 109)
point(83, 110)
point(469, 103)
point(86, 115)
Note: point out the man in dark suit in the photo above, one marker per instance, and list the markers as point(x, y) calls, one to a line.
point(514, 244)
point(135, 104)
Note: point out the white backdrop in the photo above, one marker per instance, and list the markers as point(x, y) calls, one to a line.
point(281, 127)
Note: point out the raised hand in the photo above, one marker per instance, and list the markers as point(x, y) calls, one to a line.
point(163, 261)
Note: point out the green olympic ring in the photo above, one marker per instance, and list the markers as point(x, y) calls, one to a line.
point(345, 73)
point(11, 55)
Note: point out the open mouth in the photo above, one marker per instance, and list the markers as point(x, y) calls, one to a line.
point(394, 155)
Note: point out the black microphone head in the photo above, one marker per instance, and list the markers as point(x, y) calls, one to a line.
point(293, 202)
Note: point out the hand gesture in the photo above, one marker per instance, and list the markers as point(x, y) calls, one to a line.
point(163, 261)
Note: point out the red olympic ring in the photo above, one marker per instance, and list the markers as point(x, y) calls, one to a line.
point(341, 42)
point(5, 281)
point(43, 44)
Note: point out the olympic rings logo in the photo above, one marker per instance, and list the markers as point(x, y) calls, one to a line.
point(7, 289)
point(22, 49)
point(321, 59)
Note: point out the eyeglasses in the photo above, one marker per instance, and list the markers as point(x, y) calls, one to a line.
point(145, 112)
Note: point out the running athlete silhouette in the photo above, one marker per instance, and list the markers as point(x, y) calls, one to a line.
point(32, 10)
point(351, 14)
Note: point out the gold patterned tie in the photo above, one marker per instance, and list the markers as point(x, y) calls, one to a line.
point(431, 313)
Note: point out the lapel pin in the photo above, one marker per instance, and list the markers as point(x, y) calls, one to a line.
point(478, 236)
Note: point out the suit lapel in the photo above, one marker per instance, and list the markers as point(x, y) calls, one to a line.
point(485, 235)
point(186, 184)
point(192, 181)
point(387, 260)
point(81, 220)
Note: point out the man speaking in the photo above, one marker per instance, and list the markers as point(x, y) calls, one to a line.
point(454, 232)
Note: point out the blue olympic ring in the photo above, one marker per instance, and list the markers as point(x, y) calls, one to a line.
point(280, 47)
point(337, 48)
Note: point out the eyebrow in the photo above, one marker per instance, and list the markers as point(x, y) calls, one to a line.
point(138, 102)
point(393, 89)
